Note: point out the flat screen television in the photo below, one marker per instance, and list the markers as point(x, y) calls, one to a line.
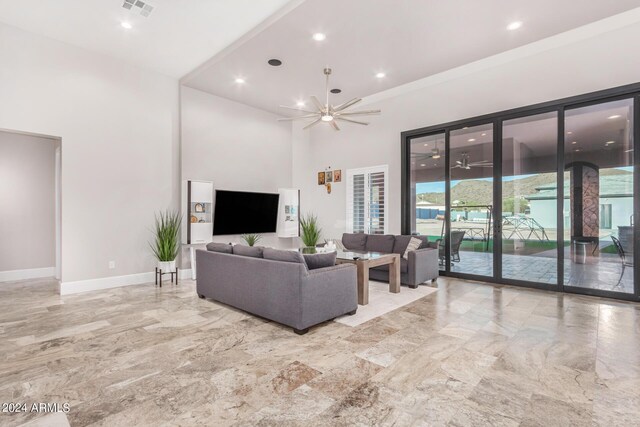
point(240, 212)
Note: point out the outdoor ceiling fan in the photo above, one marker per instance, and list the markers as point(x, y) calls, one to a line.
point(433, 154)
point(328, 113)
point(464, 163)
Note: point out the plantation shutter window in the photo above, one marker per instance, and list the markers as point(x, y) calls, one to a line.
point(367, 200)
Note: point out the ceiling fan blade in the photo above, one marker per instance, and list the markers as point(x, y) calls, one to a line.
point(359, 113)
point(334, 125)
point(306, 116)
point(317, 103)
point(347, 104)
point(344, 119)
point(313, 123)
point(297, 109)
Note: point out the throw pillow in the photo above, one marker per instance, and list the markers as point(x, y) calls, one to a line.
point(412, 246)
point(250, 251)
point(224, 248)
point(320, 260)
point(280, 255)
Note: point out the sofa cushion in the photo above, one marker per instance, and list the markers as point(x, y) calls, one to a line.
point(354, 241)
point(400, 244)
point(244, 250)
point(404, 266)
point(225, 248)
point(315, 261)
point(280, 255)
point(382, 243)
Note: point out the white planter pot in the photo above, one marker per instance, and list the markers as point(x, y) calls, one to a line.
point(167, 266)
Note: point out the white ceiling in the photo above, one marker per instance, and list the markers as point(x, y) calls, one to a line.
point(178, 36)
point(408, 40)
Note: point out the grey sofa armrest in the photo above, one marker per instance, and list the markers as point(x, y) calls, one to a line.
point(422, 265)
point(327, 293)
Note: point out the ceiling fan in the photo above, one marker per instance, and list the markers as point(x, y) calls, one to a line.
point(464, 163)
point(433, 154)
point(328, 113)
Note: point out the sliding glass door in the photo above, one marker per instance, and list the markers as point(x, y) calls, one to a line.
point(541, 196)
point(599, 197)
point(427, 189)
point(529, 182)
point(471, 212)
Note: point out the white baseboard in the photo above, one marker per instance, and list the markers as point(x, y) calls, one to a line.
point(67, 288)
point(32, 273)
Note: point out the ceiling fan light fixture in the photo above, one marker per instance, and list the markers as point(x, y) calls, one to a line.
point(436, 156)
point(327, 118)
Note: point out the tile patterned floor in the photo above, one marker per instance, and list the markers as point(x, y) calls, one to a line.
point(467, 355)
point(600, 272)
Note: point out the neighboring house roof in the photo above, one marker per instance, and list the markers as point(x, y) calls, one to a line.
point(610, 186)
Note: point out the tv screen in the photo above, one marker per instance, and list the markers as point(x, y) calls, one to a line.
point(239, 212)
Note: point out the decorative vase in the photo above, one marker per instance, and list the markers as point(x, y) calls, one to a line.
point(309, 250)
point(167, 266)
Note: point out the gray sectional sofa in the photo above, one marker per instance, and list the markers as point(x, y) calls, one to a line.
point(420, 265)
point(276, 284)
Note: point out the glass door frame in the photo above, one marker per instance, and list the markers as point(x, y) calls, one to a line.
point(631, 91)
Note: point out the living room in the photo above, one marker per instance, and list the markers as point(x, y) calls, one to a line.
point(517, 304)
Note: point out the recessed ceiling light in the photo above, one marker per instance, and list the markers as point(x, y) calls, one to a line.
point(471, 139)
point(569, 133)
point(300, 103)
point(574, 142)
point(426, 145)
point(126, 25)
point(422, 164)
point(380, 75)
point(274, 62)
point(514, 25)
point(576, 150)
point(615, 116)
point(319, 37)
point(240, 80)
point(484, 134)
point(335, 90)
point(609, 142)
point(466, 127)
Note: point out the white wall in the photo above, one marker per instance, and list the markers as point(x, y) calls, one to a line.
point(516, 79)
point(120, 146)
point(235, 146)
point(27, 202)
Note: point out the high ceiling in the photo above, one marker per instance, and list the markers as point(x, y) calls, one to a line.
point(407, 40)
point(175, 38)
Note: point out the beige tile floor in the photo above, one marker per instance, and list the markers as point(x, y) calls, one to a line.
point(468, 354)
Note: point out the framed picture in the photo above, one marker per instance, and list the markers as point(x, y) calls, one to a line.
point(320, 178)
point(337, 175)
point(199, 208)
point(287, 209)
point(293, 209)
point(328, 176)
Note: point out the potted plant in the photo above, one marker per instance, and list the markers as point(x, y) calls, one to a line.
point(251, 238)
point(166, 244)
point(311, 232)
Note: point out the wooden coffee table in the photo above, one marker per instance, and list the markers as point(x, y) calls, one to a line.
point(366, 260)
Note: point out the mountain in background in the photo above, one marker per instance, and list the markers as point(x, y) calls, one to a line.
point(478, 192)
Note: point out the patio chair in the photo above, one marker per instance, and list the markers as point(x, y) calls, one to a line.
point(623, 257)
point(456, 241)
